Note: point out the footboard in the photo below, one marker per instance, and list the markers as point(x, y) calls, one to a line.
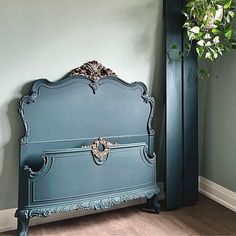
point(78, 177)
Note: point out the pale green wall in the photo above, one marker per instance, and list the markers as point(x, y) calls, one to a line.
point(47, 38)
point(217, 123)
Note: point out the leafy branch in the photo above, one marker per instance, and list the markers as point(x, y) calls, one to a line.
point(208, 25)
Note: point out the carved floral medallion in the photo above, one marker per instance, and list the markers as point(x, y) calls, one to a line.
point(101, 148)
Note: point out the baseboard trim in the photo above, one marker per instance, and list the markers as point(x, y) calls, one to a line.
point(217, 193)
point(208, 188)
point(7, 220)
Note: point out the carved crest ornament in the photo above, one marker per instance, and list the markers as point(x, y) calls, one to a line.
point(92, 70)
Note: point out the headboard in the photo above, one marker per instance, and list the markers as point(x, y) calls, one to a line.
point(89, 102)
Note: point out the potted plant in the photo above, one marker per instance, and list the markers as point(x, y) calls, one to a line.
point(209, 28)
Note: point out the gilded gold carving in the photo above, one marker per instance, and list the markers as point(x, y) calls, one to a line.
point(92, 70)
point(101, 154)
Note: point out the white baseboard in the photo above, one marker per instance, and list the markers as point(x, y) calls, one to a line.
point(7, 220)
point(218, 193)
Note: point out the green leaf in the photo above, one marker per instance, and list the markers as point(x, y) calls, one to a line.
point(200, 34)
point(216, 31)
point(181, 55)
point(229, 34)
point(185, 14)
point(228, 18)
point(231, 13)
point(203, 74)
point(208, 56)
point(200, 52)
point(215, 55)
point(191, 36)
point(227, 4)
point(205, 19)
point(186, 25)
point(202, 71)
point(174, 46)
point(195, 29)
point(217, 22)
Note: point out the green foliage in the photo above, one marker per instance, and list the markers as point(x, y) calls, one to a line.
point(209, 23)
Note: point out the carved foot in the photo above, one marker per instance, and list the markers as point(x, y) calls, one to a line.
point(153, 204)
point(22, 226)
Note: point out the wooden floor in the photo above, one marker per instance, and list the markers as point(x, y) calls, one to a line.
point(205, 218)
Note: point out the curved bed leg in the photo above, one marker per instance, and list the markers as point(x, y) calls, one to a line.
point(153, 204)
point(22, 226)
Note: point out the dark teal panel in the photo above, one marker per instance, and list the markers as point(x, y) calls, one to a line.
point(56, 114)
point(190, 108)
point(84, 178)
point(174, 138)
point(181, 115)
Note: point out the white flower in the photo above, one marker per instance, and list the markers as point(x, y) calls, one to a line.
point(207, 36)
point(213, 18)
point(208, 44)
point(195, 29)
point(201, 42)
point(216, 39)
point(219, 13)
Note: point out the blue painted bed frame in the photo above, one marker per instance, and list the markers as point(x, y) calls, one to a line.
point(88, 144)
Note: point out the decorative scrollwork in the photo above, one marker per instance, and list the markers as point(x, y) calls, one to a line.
point(151, 101)
point(26, 100)
point(149, 157)
point(92, 70)
point(99, 204)
point(31, 173)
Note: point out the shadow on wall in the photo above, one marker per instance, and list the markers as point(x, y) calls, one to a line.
point(158, 92)
point(137, 16)
point(10, 163)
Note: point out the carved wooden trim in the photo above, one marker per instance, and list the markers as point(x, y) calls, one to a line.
point(46, 162)
point(101, 155)
point(92, 70)
point(92, 204)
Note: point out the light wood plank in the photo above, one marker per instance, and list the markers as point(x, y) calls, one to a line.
point(205, 218)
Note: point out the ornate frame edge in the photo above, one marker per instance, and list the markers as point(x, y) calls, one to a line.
point(93, 84)
point(100, 204)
